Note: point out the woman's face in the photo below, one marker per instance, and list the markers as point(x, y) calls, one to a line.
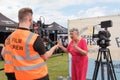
point(73, 36)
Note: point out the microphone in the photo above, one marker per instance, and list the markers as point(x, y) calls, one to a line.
point(93, 33)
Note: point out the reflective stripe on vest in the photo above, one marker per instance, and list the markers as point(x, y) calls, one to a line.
point(27, 47)
point(7, 52)
point(28, 57)
point(8, 61)
point(23, 58)
point(29, 67)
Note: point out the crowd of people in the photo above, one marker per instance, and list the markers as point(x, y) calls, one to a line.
point(25, 54)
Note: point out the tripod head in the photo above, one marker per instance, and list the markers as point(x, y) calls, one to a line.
point(103, 35)
point(104, 51)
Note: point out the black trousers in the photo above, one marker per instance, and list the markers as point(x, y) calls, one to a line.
point(10, 76)
point(44, 78)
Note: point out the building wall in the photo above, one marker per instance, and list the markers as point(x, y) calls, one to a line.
point(85, 27)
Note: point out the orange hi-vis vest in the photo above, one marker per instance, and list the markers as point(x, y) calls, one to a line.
point(28, 64)
point(8, 66)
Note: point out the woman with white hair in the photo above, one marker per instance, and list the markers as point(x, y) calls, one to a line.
point(78, 49)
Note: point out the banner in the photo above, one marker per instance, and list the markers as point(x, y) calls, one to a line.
point(85, 27)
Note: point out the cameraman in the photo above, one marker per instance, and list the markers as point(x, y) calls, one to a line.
point(28, 51)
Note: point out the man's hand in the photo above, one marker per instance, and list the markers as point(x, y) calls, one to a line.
point(57, 46)
point(50, 52)
point(59, 43)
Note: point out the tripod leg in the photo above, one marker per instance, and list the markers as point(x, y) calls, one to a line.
point(110, 69)
point(108, 72)
point(97, 64)
point(111, 73)
point(102, 71)
point(96, 70)
point(111, 66)
point(107, 64)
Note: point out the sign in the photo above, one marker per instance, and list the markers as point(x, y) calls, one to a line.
point(7, 22)
point(10, 29)
point(85, 27)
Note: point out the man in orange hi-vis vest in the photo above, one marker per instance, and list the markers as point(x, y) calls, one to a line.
point(28, 51)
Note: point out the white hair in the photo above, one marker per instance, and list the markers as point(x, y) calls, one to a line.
point(74, 30)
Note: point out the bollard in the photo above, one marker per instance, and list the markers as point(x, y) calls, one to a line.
point(69, 78)
point(60, 78)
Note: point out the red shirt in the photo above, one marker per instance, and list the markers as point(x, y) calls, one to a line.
point(82, 44)
point(79, 61)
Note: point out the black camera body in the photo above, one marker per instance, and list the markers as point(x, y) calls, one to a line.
point(103, 36)
point(103, 40)
point(41, 28)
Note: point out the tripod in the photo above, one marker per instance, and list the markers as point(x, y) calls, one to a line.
point(104, 58)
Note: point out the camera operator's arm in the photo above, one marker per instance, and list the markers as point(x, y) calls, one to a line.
point(40, 48)
point(50, 52)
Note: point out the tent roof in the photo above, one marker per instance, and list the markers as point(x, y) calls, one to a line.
point(6, 24)
point(55, 26)
point(5, 21)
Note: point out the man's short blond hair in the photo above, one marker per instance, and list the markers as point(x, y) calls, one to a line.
point(23, 13)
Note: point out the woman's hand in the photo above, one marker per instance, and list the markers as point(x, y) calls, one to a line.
point(59, 43)
point(57, 46)
point(75, 46)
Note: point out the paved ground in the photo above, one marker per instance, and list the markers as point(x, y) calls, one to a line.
point(63, 78)
point(68, 78)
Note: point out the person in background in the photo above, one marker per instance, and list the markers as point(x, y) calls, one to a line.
point(66, 41)
point(28, 51)
point(7, 56)
point(63, 40)
point(45, 43)
point(1, 47)
point(78, 49)
point(49, 42)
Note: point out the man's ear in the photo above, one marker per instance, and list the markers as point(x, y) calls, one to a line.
point(30, 20)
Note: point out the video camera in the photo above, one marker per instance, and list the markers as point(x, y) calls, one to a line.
point(104, 35)
point(40, 28)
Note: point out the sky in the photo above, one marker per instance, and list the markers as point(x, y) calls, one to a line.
point(60, 11)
